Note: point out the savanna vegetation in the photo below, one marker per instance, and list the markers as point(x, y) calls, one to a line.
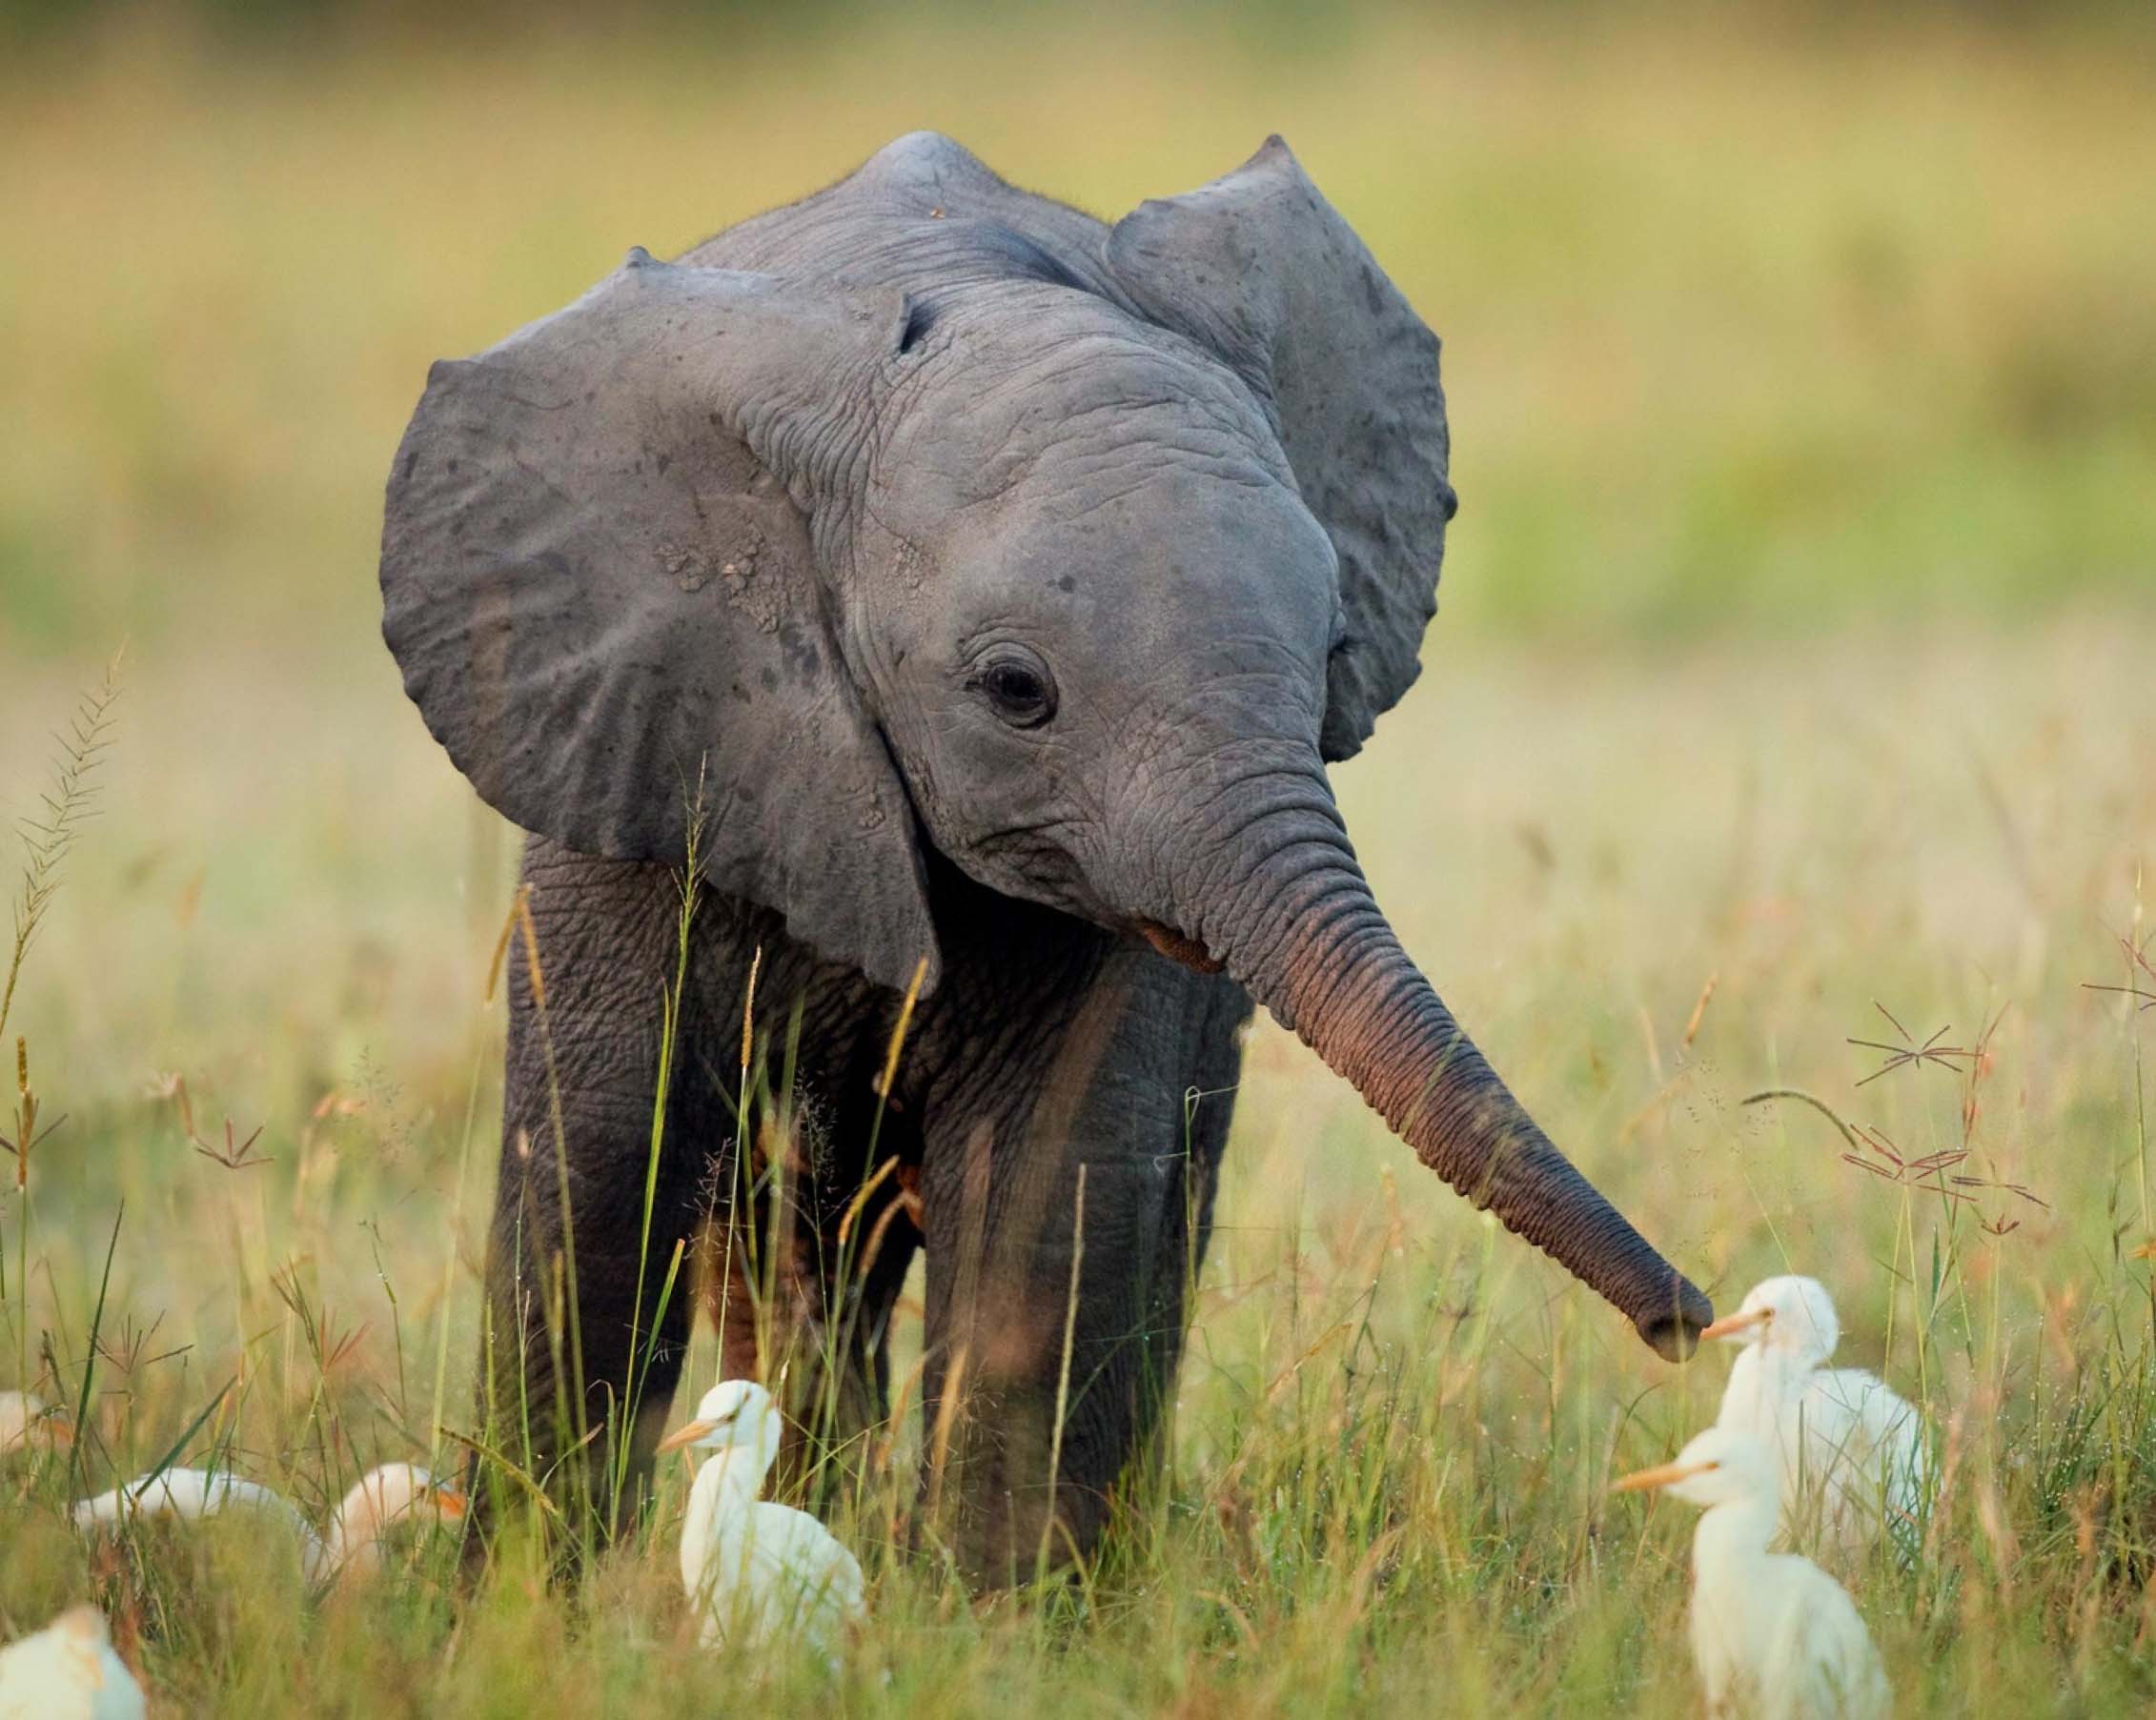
point(1794, 688)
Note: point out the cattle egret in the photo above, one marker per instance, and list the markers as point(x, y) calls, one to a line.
point(755, 1572)
point(1851, 1451)
point(1772, 1634)
point(68, 1672)
point(379, 1502)
point(27, 1418)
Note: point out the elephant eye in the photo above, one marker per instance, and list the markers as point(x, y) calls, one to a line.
point(1020, 688)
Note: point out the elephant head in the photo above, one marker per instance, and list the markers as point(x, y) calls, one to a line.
point(962, 521)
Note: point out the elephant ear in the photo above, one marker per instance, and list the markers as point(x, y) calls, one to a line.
point(598, 580)
point(1261, 270)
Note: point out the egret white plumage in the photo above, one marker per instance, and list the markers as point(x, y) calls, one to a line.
point(1851, 1451)
point(193, 1494)
point(68, 1672)
point(755, 1572)
point(1773, 1636)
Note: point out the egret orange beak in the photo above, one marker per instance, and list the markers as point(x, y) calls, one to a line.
point(60, 1429)
point(451, 1505)
point(688, 1434)
point(1730, 1325)
point(1659, 1476)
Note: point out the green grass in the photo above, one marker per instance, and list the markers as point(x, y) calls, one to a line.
point(1797, 637)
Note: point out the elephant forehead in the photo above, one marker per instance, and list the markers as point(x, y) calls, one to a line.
point(1169, 565)
point(1076, 403)
point(1127, 513)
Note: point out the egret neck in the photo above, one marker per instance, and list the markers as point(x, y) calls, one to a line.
point(720, 1499)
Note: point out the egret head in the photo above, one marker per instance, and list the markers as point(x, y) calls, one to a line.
point(1791, 1316)
point(26, 1419)
point(380, 1501)
point(85, 1624)
point(734, 1415)
point(1717, 1467)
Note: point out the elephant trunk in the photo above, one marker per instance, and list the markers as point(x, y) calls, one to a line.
point(1281, 903)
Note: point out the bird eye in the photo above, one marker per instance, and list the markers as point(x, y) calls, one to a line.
point(1017, 684)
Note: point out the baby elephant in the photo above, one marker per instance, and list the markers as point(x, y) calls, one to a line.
point(985, 588)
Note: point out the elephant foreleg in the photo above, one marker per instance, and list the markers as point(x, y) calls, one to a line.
point(581, 1347)
point(1064, 1232)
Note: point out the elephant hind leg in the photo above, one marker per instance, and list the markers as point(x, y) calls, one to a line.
point(801, 1279)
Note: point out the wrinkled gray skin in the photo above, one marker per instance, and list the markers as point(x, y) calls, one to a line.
point(1007, 580)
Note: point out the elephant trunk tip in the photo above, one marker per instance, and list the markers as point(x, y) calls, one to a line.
point(1672, 1331)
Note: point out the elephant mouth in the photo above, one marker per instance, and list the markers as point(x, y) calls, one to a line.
point(1176, 947)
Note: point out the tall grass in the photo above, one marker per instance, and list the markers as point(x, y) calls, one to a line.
point(47, 835)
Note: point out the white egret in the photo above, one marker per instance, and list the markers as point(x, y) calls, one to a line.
point(1851, 1451)
point(755, 1572)
point(1772, 1634)
point(68, 1672)
point(378, 1501)
point(27, 1418)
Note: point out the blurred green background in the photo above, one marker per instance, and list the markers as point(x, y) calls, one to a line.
point(1754, 320)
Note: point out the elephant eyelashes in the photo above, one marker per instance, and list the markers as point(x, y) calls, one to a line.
point(1020, 688)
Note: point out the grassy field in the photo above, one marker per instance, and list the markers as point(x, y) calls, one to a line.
point(1798, 645)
